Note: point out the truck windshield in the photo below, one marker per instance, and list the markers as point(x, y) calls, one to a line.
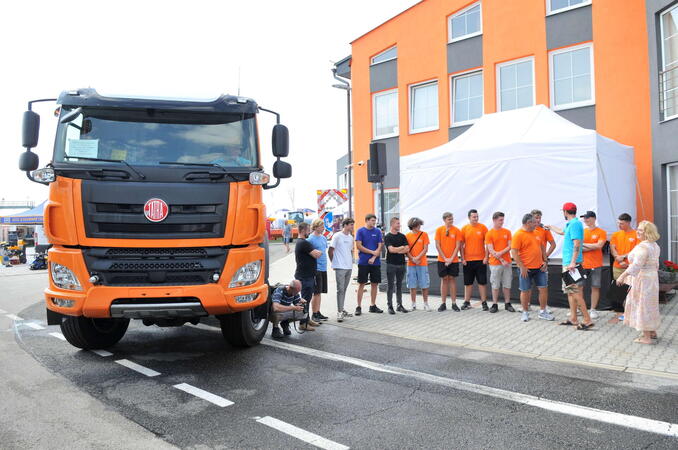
point(149, 137)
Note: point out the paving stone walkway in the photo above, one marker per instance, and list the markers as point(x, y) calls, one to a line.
point(607, 345)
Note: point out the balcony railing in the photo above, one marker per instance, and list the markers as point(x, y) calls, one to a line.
point(4, 204)
point(668, 93)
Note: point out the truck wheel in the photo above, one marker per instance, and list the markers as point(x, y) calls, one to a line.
point(86, 333)
point(246, 328)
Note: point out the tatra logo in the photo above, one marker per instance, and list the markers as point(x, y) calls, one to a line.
point(595, 236)
point(156, 210)
point(632, 239)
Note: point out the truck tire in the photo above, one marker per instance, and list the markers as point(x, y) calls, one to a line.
point(246, 328)
point(86, 333)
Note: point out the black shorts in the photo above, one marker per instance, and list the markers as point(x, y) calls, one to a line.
point(475, 270)
point(448, 271)
point(320, 283)
point(307, 287)
point(369, 271)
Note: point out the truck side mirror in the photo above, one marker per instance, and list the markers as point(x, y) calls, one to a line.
point(280, 141)
point(281, 169)
point(28, 161)
point(30, 129)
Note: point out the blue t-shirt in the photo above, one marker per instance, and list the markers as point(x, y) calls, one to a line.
point(319, 243)
point(573, 230)
point(370, 240)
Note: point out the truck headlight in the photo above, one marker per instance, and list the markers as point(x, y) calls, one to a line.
point(64, 278)
point(259, 178)
point(45, 175)
point(246, 275)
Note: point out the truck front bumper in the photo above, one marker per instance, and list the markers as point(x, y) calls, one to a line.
point(216, 298)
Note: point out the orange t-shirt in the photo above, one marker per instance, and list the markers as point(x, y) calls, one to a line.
point(543, 235)
point(529, 248)
point(415, 249)
point(448, 241)
point(594, 258)
point(624, 241)
point(500, 240)
point(473, 238)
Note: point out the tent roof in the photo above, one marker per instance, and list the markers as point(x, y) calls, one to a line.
point(28, 217)
point(527, 131)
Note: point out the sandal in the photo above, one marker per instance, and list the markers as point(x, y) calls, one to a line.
point(641, 341)
point(584, 327)
point(567, 322)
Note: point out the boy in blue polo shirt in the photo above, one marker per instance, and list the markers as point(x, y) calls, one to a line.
point(369, 241)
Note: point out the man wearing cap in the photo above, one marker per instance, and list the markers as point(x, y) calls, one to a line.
point(572, 258)
point(594, 240)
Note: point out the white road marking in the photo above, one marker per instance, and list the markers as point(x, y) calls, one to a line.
point(58, 336)
point(300, 434)
point(638, 423)
point(219, 401)
point(13, 317)
point(35, 326)
point(103, 353)
point(136, 367)
point(2, 311)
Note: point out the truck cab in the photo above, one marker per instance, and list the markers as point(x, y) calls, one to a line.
point(155, 213)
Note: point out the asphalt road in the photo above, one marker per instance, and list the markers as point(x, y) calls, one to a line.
point(347, 388)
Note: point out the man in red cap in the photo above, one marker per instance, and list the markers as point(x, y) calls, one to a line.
point(572, 259)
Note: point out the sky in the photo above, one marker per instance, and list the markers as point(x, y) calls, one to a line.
point(277, 52)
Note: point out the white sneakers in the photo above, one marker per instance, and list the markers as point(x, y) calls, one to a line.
point(414, 306)
point(525, 316)
point(594, 314)
point(426, 307)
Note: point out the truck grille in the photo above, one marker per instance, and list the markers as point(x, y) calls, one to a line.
point(155, 266)
point(115, 210)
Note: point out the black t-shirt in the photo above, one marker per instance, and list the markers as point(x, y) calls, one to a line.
point(395, 240)
point(306, 264)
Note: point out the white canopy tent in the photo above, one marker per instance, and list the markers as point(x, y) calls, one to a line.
point(516, 161)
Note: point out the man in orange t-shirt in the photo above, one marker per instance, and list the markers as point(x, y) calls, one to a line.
point(417, 264)
point(498, 242)
point(545, 237)
point(594, 240)
point(530, 257)
point(448, 243)
point(621, 244)
point(474, 259)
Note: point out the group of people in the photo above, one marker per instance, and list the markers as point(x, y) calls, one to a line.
point(475, 248)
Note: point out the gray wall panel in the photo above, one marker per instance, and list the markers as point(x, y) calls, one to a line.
point(584, 117)
point(457, 131)
point(392, 179)
point(664, 147)
point(384, 75)
point(466, 54)
point(569, 27)
point(344, 67)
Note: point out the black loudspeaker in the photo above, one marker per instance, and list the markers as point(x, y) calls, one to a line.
point(376, 166)
point(370, 177)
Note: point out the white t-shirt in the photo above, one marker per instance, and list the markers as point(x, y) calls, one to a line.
point(343, 251)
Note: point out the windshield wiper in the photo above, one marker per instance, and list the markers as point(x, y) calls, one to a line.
point(120, 161)
point(210, 174)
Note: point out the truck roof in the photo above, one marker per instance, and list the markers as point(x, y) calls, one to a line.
point(222, 104)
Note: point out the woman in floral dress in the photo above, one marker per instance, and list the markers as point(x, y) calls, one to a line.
point(642, 302)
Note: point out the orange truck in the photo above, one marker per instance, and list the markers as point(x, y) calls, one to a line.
point(155, 213)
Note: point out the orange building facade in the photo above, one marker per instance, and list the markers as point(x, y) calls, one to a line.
point(421, 78)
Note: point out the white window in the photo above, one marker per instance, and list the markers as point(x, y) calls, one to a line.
point(515, 86)
point(424, 107)
point(391, 205)
point(672, 194)
point(467, 98)
point(668, 94)
point(556, 6)
point(385, 114)
point(386, 55)
point(572, 80)
point(465, 24)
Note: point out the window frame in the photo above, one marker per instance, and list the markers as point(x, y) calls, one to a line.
point(374, 112)
point(372, 63)
point(663, 57)
point(498, 81)
point(550, 12)
point(669, 237)
point(410, 90)
point(455, 76)
point(450, 39)
point(552, 84)
point(377, 206)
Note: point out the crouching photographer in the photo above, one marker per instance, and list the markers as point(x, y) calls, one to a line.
point(287, 306)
